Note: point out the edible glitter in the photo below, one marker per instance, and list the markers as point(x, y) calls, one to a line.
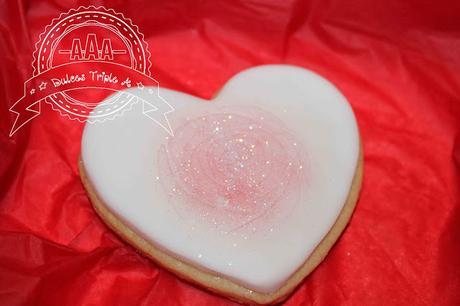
point(227, 172)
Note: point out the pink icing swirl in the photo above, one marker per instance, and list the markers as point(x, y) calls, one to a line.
point(232, 167)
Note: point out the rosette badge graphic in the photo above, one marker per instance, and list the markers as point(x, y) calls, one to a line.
point(86, 56)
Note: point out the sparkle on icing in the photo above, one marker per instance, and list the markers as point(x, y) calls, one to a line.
point(228, 172)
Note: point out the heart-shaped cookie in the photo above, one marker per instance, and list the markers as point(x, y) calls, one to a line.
point(249, 194)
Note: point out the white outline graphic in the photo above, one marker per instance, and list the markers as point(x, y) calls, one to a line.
point(156, 108)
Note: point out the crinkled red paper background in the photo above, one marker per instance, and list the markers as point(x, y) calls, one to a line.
point(397, 62)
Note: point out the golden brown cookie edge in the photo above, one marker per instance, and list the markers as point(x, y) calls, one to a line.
point(216, 283)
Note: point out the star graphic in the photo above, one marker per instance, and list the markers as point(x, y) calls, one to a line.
point(140, 85)
point(42, 86)
point(32, 91)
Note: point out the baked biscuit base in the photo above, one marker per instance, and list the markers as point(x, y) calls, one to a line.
point(217, 283)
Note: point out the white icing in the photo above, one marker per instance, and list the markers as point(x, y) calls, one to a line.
point(120, 159)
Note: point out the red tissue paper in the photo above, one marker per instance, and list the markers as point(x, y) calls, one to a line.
point(398, 64)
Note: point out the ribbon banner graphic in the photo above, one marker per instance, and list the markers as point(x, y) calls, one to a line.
point(85, 54)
